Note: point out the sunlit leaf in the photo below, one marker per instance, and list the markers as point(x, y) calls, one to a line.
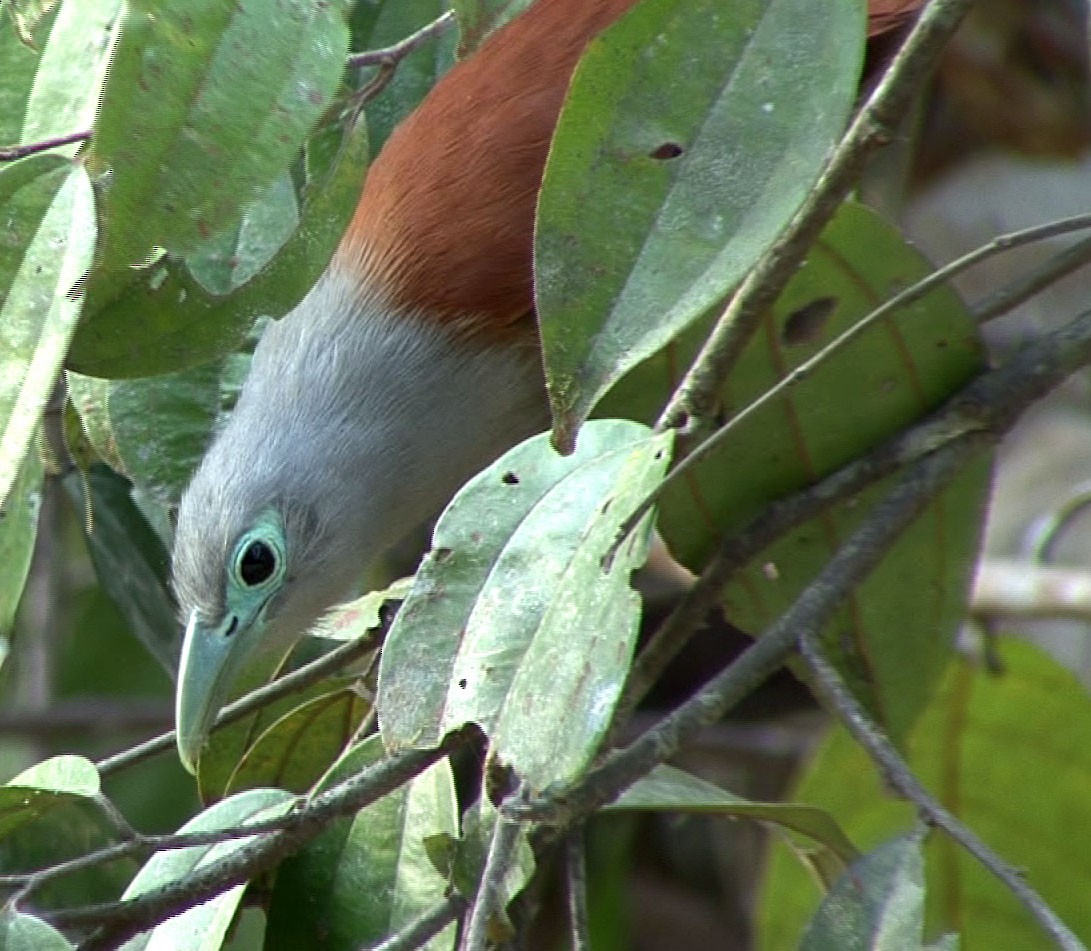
point(692, 131)
point(533, 634)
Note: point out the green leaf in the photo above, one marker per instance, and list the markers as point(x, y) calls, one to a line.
point(45, 248)
point(19, 932)
point(1010, 755)
point(130, 561)
point(207, 99)
point(393, 20)
point(532, 636)
point(163, 320)
point(155, 429)
point(366, 877)
point(667, 789)
point(71, 71)
point(893, 638)
point(43, 787)
point(204, 927)
point(692, 132)
point(235, 256)
point(298, 748)
point(18, 65)
point(878, 903)
point(477, 19)
point(18, 531)
point(229, 744)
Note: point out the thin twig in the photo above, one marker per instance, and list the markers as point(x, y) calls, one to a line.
point(1026, 286)
point(11, 153)
point(696, 396)
point(491, 893)
point(425, 927)
point(810, 611)
point(118, 921)
point(297, 680)
point(898, 774)
point(398, 51)
point(1019, 589)
point(575, 875)
point(992, 401)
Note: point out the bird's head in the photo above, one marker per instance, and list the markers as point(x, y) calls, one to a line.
point(253, 567)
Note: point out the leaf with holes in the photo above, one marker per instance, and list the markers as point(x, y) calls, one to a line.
point(894, 637)
point(692, 132)
point(514, 621)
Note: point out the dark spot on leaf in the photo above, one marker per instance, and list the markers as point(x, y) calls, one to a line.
point(668, 150)
point(441, 554)
point(462, 683)
point(509, 478)
point(805, 324)
point(943, 344)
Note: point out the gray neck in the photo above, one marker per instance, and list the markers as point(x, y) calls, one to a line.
point(392, 410)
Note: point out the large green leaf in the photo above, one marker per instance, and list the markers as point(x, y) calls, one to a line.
point(894, 636)
point(163, 320)
point(1010, 754)
point(205, 101)
point(18, 531)
point(204, 927)
point(692, 131)
point(533, 634)
point(370, 875)
point(71, 71)
point(45, 248)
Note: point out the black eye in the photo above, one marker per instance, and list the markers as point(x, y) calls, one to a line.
point(257, 563)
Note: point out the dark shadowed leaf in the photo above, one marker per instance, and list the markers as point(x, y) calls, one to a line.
point(45, 786)
point(366, 877)
point(667, 789)
point(692, 132)
point(297, 750)
point(130, 561)
point(389, 22)
point(894, 637)
point(514, 622)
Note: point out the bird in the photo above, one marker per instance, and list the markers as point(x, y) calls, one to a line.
point(410, 365)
